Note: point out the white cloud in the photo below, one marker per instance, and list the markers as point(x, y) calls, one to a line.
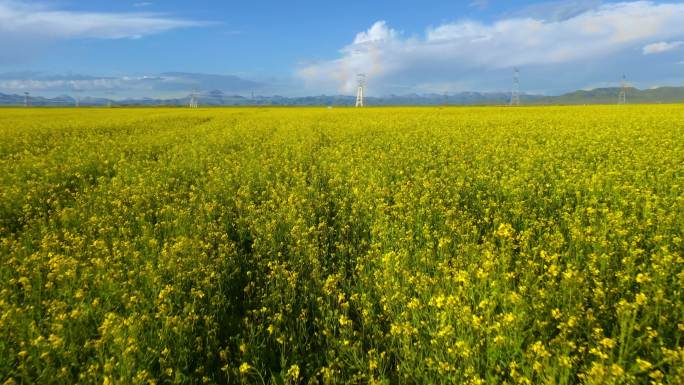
point(142, 4)
point(661, 47)
point(169, 83)
point(19, 20)
point(465, 46)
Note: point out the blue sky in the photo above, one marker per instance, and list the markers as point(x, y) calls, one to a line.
point(168, 48)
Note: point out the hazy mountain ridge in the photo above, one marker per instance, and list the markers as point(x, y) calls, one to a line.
point(667, 94)
point(219, 98)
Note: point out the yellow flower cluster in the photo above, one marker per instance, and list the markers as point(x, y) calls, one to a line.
point(316, 246)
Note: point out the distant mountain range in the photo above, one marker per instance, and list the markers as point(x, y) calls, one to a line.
point(219, 98)
point(610, 96)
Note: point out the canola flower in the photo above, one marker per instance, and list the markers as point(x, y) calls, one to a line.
point(315, 246)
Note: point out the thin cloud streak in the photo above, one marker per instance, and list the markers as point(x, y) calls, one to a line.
point(661, 47)
point(33, 21)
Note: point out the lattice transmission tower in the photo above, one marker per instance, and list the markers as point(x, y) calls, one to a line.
point(77, 94)
point(26, 99)
point(622, 96)
point(193, 100)
point(361, 82)
point(515, 92)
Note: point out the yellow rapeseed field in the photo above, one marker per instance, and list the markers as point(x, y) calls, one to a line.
point(534, 245)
